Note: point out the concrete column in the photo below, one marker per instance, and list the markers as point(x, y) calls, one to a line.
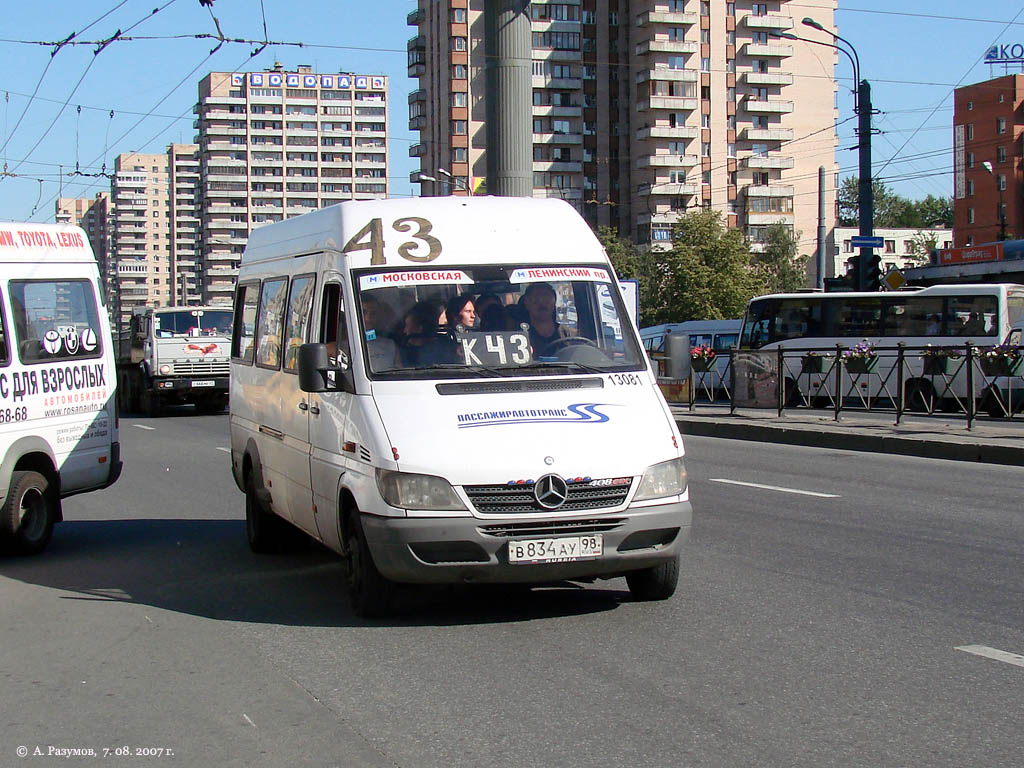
point(508, 42)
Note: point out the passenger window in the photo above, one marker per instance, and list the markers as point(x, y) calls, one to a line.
point(333, 330)
point(55, 320)
point(5, 350)
point(300, 304)
point(269, 323)
point(244, 336)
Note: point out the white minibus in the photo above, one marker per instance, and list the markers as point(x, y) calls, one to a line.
point(374, 408)
point(58, 419)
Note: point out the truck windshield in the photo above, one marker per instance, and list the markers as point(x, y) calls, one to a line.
point(192, 322)
point(509, 320)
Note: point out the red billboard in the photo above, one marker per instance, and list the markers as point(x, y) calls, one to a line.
point(970, 254)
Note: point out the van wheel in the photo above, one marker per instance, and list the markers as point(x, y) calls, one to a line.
point(28, 514)
point(370, 594)
point(657, 583)
point(262, 527)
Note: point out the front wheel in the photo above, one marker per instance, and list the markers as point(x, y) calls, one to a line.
point(263, 528)
point(370, 593)
point(657, 583)
point(29, 513)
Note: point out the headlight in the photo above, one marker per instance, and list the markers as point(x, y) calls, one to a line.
point(165, 369)
point(661, 480)
point(410, 491)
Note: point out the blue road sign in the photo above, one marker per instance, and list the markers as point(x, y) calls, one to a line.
point(862, 241)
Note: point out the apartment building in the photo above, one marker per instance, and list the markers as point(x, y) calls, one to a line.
point(642, 109)
point(903, 247)
point(184, 193)
point(91, 215)
point(988, 181)
point(277, 144)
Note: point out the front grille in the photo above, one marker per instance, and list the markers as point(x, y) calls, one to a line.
point(505, 387)
point(558, 528)
point(201, 368)
point(509, 500)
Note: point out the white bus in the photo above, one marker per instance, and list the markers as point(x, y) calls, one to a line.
point(720, 335)
point(941, 316)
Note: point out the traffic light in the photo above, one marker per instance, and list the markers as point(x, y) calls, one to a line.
point(872, 271)
point(853, 274)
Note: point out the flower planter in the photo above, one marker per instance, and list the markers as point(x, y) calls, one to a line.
point(861, 364)
point(1001, 366)
point(702, 364)
point(814, 364)
point(938, 365)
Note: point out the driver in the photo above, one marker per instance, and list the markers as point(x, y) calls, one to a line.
point(539, 301)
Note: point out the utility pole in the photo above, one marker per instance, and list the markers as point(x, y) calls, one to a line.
point(508, 41)
point(869, 275)
point(819, 280)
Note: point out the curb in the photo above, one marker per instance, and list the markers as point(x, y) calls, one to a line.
point(855, 441)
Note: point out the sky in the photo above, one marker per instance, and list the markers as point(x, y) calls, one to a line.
point(913, 53)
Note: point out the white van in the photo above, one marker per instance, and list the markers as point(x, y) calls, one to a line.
point(370, 409)
point(58, 419)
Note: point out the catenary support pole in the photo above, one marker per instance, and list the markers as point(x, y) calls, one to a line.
point(819, 282)
point(508, 44)
point(865, 195)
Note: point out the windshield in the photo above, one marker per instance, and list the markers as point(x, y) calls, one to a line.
point(494, 320)
point(192, 322)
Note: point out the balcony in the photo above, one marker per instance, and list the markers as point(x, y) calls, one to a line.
point(417, 123)
point(420, 94)
point(767, 78)
point(558, 83)
point(667, 161)
point(666, 17)
point(676, 103)
point(767, 134)
point(417, 150)
point(668, 132)
point(770, 217)
point(417, 69)
point(665, 46)
point(557, 166)
point(667, 188)
point(766, 162)
point(557, 138)
point(771, 21)
point(770, 190)
point(664, 73)
point(416, 17)
point(767, 106)
point(552, 110)
point(767, 50)
point(417, 43)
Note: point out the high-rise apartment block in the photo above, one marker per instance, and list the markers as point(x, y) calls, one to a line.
point(642, 109)
point(277, 144)
point(91, 215)
point(987, 182)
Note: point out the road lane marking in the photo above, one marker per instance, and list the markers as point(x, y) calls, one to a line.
point(776, 488)
point(250, 722)
point(993, 653)
point(143, 426)
point(222, 448)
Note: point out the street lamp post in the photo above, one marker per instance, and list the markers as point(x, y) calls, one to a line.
point(1001, 213)
point(425, 177)
point(868, 275)
point(456, 180)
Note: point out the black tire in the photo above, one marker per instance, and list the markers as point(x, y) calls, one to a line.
point(263, 528)
point(370, 594)
point(152, 405)
point(791, 397)
point(210, 405)
point(28, 514)
point(919, 396)
point(992, 404)
point(658, 583)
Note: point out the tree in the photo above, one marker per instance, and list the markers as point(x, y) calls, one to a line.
point(705, 274)
point(891, 209)
point(921, 246)
point(781, 269)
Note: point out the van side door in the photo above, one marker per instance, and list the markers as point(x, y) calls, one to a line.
point(329, 416)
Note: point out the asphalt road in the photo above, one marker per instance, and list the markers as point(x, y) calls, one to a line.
point(809, 630)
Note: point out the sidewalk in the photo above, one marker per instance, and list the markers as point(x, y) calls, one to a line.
point(941, 436)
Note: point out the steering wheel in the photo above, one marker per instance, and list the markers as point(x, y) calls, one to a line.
point(567, 341)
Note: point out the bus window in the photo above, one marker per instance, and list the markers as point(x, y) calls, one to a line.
point(972, 316)
point(726, 340)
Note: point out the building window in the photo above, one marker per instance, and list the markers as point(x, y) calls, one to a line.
point(970, 105)
point(890, 246)
point(458, 43)
point(458, 127)
point(1002, 182)
point(458, 99)
point(677, 62)
point(730, 150)
point(970, 159)
point(459, 71)
point(1000, 154)
point(705, 149)
point(970, 131)
point(705, 121)
point(705, 8)
point(459, 15)
point(970, 215)
point(705, 65)
point(759, 9)
point(970, 187)
point(1000, 125)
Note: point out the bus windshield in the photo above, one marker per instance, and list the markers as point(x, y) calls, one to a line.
point(192, 322)
point(493, 320)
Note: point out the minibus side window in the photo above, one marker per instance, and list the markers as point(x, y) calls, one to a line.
point(5, 350)
point(270, 322)
point(298, 319)
point(244, 335)
point(333, 329)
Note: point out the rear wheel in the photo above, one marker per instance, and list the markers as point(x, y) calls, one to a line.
point(919, 396)
point(369, 592)
point(29, 513)
point(791, 396)
point(658, 583)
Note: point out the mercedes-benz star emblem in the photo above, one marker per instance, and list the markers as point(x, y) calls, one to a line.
point(551, 491)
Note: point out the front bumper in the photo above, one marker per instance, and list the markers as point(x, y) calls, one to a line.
point(474, 550)
point(182, 384)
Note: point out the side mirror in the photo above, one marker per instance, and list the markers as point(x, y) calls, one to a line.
point(316, 374)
